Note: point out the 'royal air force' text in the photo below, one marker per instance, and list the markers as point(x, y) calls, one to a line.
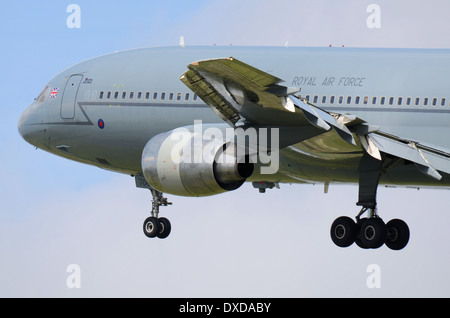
point(328, 81)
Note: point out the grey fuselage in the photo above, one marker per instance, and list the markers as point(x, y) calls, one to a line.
point(104, 110)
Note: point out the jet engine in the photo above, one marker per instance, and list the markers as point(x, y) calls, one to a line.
point(187, 163)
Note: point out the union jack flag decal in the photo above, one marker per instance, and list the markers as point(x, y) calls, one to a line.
point(54, 92)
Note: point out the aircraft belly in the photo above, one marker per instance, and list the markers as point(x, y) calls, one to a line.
point(298, 166)
point(325, 157)
point(303, 163)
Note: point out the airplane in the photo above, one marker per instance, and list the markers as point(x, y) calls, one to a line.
point(200, 121)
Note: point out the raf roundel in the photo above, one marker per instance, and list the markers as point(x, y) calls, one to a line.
point(101, 124)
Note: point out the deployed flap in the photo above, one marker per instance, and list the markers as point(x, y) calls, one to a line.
point(369, 146)
point(427, 159)
point(320, 118)
point(309, 113)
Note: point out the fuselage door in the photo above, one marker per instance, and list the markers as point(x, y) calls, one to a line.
point(68, 100)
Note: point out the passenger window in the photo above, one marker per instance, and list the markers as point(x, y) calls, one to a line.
point(366, 100)
point(155, 96)
point(391, 100)
point(108, 95)
point(178, 96)
point(443, 102)
point(382, 100)
point(139, 95)
point(170, 96)
point(131, 95)
point(195, 97)
point(425, 101)
point(349, 99)
point(434, 102)
point(324, 99)
point(332, 99)
point(417, 103)
point(163, 96)
point(147, 95)
point(374, 100)
point(341, 99)
point(399, 101)
point(116, 94)
point(315, 99)
point(100, 96)
point(357, 98)
point(186, 97)
point(124, 95)
point(408, 101)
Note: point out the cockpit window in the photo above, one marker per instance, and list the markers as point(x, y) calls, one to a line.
point(42, 94)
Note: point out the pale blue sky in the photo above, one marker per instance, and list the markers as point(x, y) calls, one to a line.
point(55, 212)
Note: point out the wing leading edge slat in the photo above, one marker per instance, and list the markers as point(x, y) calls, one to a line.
point(211, 96)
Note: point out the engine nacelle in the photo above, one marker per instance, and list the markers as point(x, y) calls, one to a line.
point(183, 162)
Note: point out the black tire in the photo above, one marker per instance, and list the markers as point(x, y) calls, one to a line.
point(343, 231)
point(398, 234)
point(151, 227)
point(164, 228)
point(373, 233)
point(358, 233)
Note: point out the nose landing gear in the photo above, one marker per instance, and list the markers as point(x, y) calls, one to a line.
point(154, 226)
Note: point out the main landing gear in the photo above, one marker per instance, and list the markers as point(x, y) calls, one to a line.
point(370, 231)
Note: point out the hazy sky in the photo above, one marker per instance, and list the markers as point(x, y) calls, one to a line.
point(55, 212)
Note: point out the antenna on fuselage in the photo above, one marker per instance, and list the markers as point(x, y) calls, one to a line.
point(182, 41)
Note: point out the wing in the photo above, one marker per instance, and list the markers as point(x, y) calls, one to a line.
point(241, 94)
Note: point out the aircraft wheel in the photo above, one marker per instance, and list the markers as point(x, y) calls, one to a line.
point(343, 231)
point(151, 227)
point(373, 233)
point(398, 234)
point(164, 228)
point(358, 233)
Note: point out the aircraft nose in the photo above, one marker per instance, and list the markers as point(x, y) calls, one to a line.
point(29, 124)
point(21, 125)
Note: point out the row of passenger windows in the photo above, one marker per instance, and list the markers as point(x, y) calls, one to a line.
point(315, 99)
point(366, 100)
point(147, 96)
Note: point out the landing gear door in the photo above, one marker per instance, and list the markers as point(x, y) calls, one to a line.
point(68, 101)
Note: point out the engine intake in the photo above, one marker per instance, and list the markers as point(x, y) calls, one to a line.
point(185, 163)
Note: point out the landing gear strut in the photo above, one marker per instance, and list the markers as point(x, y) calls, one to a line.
point(154, 226)
point(370, 231)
